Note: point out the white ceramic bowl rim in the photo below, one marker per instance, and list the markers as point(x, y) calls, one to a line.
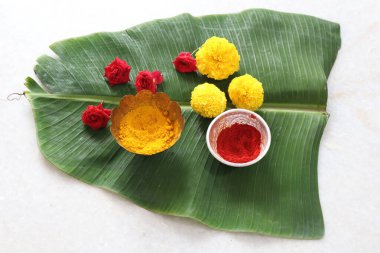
point(262, 153)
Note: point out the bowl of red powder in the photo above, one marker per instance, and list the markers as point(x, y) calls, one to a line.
point(238, 137)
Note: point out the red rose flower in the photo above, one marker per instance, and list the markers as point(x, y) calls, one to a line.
point(184, 62)
point(96, 116)
point(117, 72)
point(145, 80)
point(158, 78)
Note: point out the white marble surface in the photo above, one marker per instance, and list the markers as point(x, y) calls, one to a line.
point(43, 210)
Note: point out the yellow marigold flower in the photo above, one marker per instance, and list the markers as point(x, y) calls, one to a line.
point(217, 58)
point(246, 92)
point(208, 100)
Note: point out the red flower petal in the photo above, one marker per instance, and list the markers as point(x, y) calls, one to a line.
point(117, 72)
point(185, 62)
point(96, 117)
point(158, 78)
point(145, 81)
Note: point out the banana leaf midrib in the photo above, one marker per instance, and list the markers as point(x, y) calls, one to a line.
point(116, 99)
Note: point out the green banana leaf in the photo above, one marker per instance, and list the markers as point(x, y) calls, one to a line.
point(291, 54)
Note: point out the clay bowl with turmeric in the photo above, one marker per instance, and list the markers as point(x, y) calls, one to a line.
point(147, 123)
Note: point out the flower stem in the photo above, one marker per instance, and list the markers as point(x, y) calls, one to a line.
point(194, 51)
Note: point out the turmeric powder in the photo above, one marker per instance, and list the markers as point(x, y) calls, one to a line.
point(146, 130)
point(148, 123)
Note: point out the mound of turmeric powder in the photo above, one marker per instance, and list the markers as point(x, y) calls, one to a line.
point(146, 130)
point(147, 124)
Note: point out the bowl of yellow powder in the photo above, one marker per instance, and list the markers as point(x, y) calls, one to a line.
point(147, 123)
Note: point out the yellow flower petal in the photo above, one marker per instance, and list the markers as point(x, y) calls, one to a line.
point(246, 92)
point(208, 100)
point(217, 58)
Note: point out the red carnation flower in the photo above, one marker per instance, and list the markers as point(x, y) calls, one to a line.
point(184, 62)
point(96, 116)
point(146, 80)
point(117, 72)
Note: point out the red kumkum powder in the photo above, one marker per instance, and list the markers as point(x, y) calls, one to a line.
point(239, 143)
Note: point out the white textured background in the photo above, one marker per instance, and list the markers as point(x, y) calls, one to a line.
point(43, 210)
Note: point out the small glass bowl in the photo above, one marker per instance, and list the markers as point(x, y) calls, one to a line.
point(240, 116)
